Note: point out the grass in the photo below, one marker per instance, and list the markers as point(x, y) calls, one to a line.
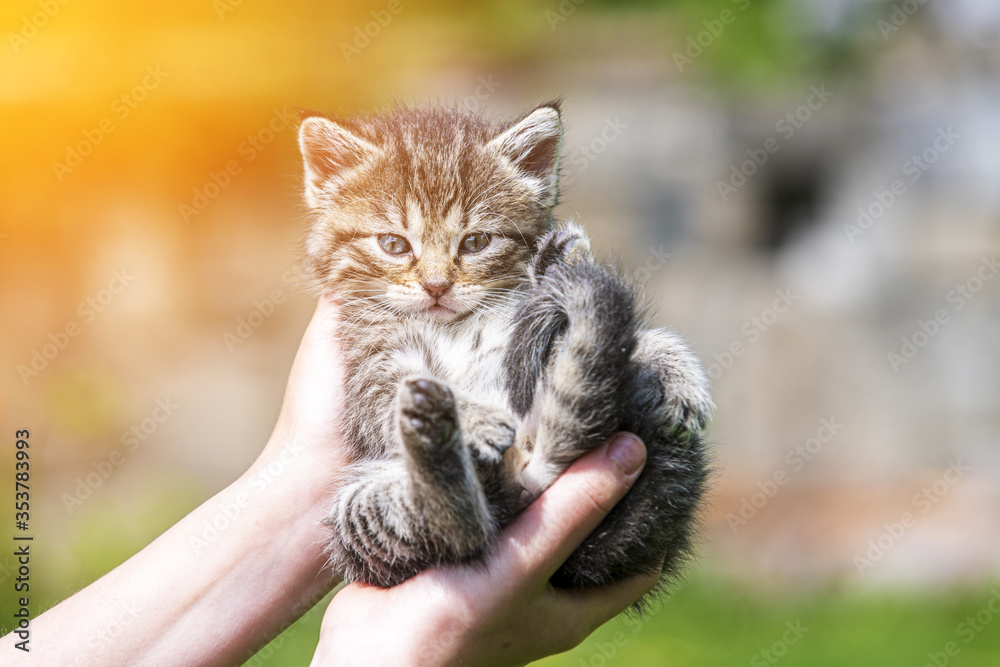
point(708, 623)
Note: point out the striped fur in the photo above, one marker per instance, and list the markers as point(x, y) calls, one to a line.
point(477, 372)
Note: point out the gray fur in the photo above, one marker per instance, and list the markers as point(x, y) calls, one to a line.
point(477, 374)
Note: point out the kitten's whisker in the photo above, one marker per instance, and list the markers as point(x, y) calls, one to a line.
point(508, 219)
point(482, 195)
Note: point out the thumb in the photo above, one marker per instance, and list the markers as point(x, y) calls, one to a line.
point(552, 527)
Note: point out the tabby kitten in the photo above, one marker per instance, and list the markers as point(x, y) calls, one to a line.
point(485, 349)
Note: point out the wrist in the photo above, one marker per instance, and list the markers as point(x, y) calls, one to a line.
point(292, 484)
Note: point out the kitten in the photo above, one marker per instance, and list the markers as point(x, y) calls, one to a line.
point(486, 349)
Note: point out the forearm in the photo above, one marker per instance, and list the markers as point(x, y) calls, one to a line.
point(216, 586)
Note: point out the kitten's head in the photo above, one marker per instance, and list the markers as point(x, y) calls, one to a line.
point(427, 213)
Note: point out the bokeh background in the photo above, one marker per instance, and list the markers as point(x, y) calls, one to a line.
point(808, 189)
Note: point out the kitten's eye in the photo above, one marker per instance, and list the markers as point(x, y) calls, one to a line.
point(474, 242)
point(394, 245)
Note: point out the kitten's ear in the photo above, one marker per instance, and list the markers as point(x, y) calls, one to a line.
point(532, 144)
point(329, 152)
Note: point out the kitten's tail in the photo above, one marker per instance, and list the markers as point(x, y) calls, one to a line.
point(571, 342)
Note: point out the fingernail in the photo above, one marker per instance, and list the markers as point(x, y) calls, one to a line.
point(627, 452)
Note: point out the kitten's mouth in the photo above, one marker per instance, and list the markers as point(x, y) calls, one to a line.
point(438, 312)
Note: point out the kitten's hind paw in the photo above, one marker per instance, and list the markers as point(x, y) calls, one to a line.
point(561, 246)
point(670, 386)
point(689, 407)
point(427, 414)
point(430, 433)
point(438, 460)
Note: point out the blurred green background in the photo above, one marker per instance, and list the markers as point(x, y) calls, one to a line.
point(808, 189)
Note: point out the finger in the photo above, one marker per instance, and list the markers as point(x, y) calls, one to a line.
point(319, 343)
point(552, 527)
point(325, 321)
point(314, 389)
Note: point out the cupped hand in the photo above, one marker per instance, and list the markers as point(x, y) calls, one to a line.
point(314, 397)
point(502, 611)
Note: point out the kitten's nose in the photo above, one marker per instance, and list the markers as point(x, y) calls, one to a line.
point(436, 287)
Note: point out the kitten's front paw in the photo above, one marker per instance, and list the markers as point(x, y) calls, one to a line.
point(561, 246)
point(488, 431)
point(427, 414)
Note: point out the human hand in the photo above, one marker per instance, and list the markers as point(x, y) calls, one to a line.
point(314, 396)
point(243, 565)
point(503, 611)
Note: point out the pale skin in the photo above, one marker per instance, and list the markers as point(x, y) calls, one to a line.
point(201, 596)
